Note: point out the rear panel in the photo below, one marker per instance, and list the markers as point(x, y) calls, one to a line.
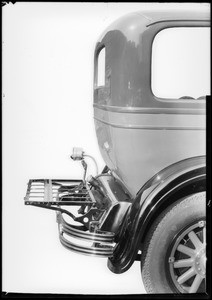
point(138, 133)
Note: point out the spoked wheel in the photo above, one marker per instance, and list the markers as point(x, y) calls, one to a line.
point(173, 259)
point(187, 260)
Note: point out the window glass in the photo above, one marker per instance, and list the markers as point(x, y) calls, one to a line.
point(101, 68)
point(181, 63)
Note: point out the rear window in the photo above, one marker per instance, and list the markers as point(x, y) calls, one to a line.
point(181, 63)
point(101, 68)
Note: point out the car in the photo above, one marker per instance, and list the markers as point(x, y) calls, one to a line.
point(149, 202)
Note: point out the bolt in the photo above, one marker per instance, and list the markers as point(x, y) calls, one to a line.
point(171, 259)
point(201, 223)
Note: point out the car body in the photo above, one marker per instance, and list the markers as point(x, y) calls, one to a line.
point(154, 150)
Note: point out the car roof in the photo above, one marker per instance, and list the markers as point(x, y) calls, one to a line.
point(139, 21)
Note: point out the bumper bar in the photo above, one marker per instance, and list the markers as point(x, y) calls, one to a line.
point(102, 242)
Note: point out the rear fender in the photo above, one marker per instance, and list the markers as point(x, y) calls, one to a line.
point(178, 180)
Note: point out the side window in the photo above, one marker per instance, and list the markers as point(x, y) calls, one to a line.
point(181, 63)
point(101, 68)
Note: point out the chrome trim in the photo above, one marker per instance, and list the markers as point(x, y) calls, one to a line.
point(97, 236)
point(105, 251)
point(102, 241)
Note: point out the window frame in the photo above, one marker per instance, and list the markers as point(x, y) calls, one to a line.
point(168, 25)
point(162, 41)
point(96, 69)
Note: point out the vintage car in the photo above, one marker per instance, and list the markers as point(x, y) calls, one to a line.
point(149, 202)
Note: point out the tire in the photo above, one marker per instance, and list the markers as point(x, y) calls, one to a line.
point(173, 257)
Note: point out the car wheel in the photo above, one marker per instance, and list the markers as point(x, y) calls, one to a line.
point(173, 259)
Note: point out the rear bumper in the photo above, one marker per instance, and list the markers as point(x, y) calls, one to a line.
point(102, 242)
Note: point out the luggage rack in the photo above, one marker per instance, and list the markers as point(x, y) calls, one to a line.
point(54, 193)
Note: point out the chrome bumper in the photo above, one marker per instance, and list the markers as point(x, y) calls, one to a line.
point(101, 242)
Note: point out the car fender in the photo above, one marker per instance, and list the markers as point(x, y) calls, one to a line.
point(175, 181)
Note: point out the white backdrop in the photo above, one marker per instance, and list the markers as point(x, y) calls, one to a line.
point(47, 110)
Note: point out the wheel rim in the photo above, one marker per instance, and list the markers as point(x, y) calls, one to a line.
point(187, 259)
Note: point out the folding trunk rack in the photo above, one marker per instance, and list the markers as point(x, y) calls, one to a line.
point(55, 193)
